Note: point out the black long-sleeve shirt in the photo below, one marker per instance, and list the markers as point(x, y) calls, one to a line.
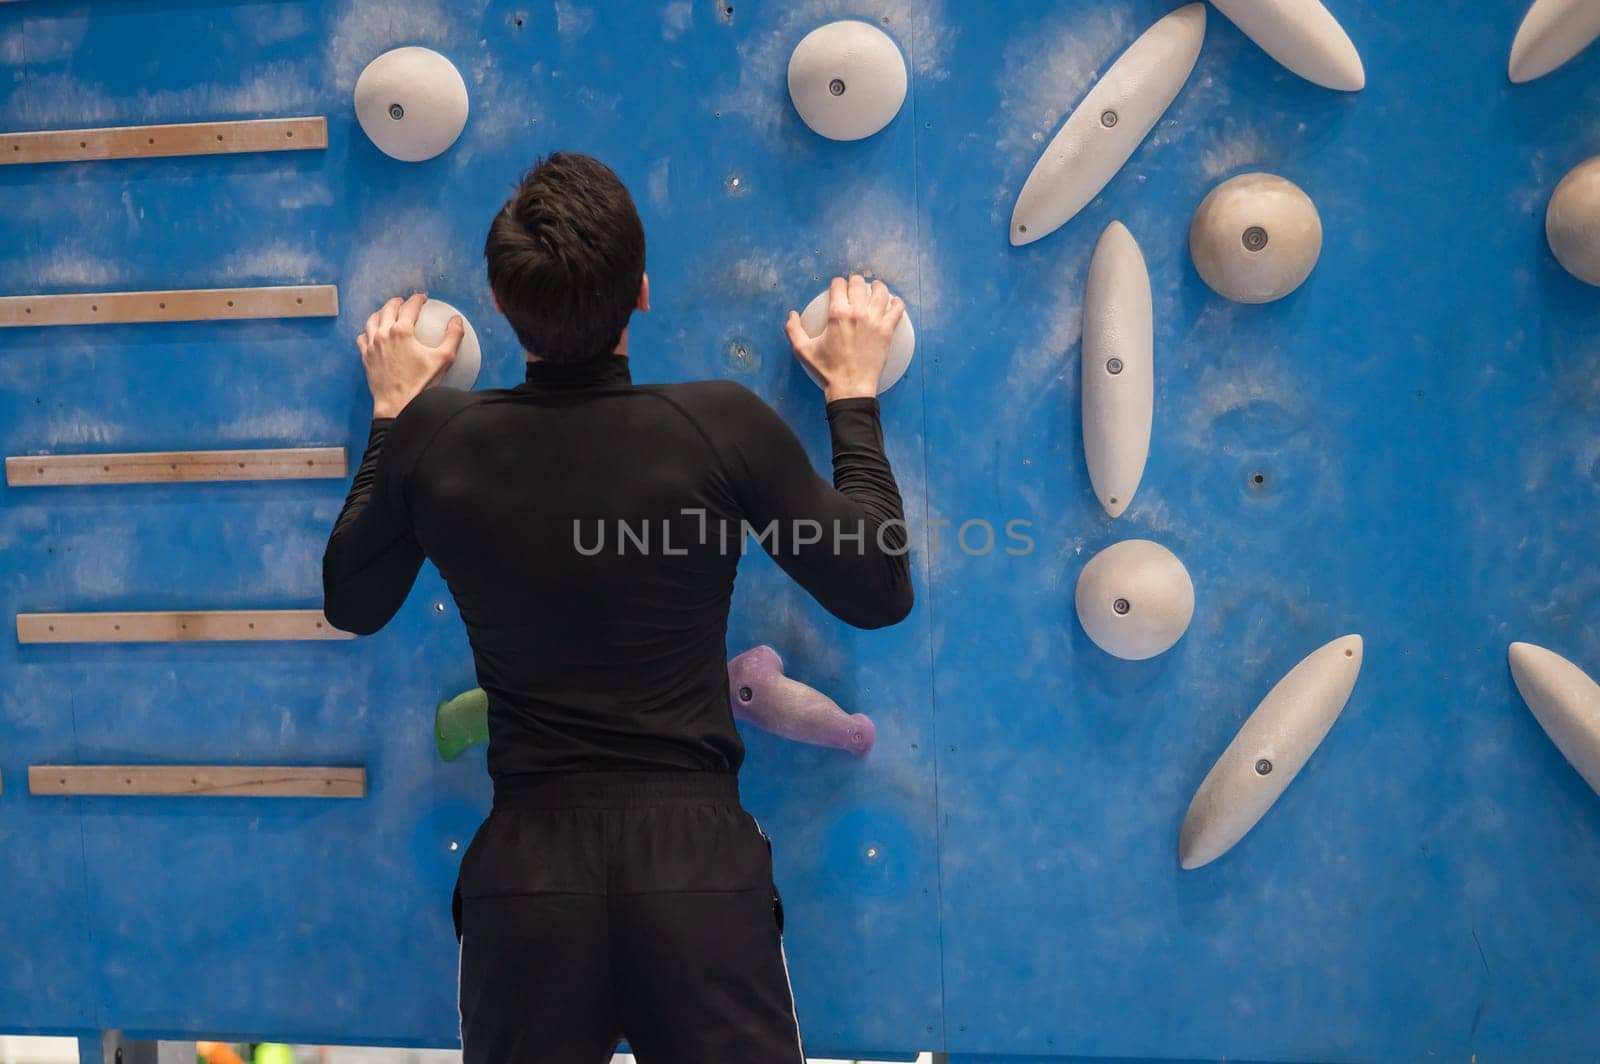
point(589, 530)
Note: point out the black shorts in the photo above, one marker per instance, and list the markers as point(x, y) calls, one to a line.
point(640, 906)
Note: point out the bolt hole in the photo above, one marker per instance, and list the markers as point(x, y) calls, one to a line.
point(1259, 479)
point(83, 144)
point(1022, 228)
point(745, 694)
point(1255, 238)
point(1122, 607)
point(396, 112)
point(1108, 119)
point(1349, 653)
point(1263, 767)
point(1113, 366)
point(836, 86)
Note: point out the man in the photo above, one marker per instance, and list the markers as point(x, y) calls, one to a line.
point(618, 890)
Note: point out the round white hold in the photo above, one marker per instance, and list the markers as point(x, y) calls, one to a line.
point(1135, 599)
point(412, 103)
point(1572, 224)
point(463, 372)
point(1255, 238)
point(847, 79)
point(814, 319)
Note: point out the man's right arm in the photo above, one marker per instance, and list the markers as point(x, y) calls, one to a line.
point(846, 543)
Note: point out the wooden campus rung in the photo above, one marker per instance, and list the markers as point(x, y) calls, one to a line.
point(208, 626)
point(148, 142)
point(162, 467)
point(191, 304)
point(198, 781)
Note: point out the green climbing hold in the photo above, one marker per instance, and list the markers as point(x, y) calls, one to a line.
point(461, 722)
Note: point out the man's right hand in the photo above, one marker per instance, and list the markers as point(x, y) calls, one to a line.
point(850, 354)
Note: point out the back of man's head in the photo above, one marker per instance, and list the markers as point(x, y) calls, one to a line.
point(566, 258)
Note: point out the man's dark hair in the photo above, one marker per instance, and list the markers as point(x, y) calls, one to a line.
point(566, 256)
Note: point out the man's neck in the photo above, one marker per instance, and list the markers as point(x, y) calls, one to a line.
point(620, 349)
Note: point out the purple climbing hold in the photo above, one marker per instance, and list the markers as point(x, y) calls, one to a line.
point(761, 694)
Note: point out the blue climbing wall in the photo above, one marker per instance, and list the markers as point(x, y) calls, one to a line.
point(999, 877)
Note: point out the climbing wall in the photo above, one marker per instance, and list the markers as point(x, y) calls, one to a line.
point(1404, 448)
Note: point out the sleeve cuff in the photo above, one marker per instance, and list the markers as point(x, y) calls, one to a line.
point(860, 402)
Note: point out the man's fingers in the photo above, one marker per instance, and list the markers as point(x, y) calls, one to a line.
point(407, 317)
point(859, 294)
point(454, 330)
point(361, 345)
point(838, 297)
point(372, 324)
point(799, 339)
point(893, 313)
point(880, 296)
point(390, 311)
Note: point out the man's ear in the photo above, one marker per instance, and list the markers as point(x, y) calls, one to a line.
point(644, 294)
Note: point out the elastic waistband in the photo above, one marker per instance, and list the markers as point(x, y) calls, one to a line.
point(615, 790)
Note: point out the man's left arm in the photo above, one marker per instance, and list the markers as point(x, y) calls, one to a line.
point(373, 555)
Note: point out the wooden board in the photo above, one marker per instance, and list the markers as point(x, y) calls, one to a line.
point(160, 467)
point(193, 304)
point(177, 627)
point(187, 138)
point(199, 781)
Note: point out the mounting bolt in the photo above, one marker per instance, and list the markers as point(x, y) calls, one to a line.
point(1108, 118)
point(836, 86)
point(1263, 767)
point(1122, 606)
point(1113, 366)
point(396, 112)
point(745, 694)
point(1255, 238)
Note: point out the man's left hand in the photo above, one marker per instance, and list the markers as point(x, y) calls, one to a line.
point(399, 366)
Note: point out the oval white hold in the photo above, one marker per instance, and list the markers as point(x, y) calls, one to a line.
point(1255, 238)
point(1572, 222)
point(1303, 36)
point(1104, 130)
point(412, 103)
point(463, 372)
point(1565, 702)
point(814, 319)
point(847, 80)
point(1118, 368)
point(1551, 34)
point(1269, 751)
point(1135, 599)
